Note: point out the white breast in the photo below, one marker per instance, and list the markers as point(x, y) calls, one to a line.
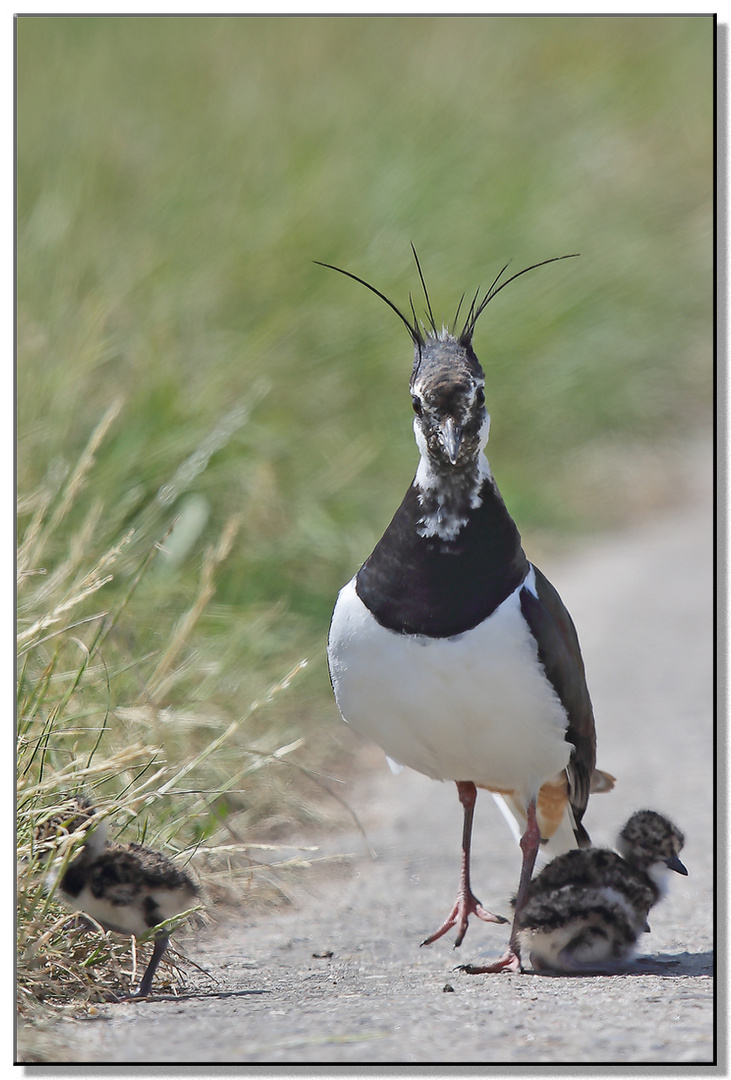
point(124, 918)
point(476, 706)
point(129, 918)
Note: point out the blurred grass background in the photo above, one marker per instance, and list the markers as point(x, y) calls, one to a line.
point(175, 179)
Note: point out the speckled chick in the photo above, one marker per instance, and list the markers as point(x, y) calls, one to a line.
point(127, 888)
point(587, 909)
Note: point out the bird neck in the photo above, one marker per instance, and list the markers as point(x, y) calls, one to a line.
point(448, 493)
point(96, 840)
point(441, 568)
point(659, 875)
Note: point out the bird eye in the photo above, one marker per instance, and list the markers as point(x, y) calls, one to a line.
point(417, 404)
point(480, 396)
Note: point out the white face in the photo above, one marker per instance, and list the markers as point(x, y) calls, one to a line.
point(452, 467)
point(483, 436)
point(450, 428)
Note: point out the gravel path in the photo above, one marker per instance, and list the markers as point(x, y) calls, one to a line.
point(340, 977)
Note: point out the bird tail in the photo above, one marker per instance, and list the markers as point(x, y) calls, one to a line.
point(602, 781)
point(555, 815)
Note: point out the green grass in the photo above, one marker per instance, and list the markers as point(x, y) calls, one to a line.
point(176, 178)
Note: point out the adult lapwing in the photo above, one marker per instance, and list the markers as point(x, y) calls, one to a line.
point(449, 648)
point(587, 909)
point(124, 887)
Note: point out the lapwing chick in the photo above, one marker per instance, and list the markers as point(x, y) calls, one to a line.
point(127, 888)
point(587, 909)
point(448, 647)
point(79, 812)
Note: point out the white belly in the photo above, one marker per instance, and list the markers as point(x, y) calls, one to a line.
point(476, 706)
point(124, 918)
point(130, 918)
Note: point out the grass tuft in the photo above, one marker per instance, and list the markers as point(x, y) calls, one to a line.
point(95, 718)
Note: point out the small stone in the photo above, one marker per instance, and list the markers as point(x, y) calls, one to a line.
point(447, 988)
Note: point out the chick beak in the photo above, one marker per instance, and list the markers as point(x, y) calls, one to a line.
point(450, 435)
point(675, 864)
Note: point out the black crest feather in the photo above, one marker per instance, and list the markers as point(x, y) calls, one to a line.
point(475, 310)
point(414, 329)
point(465, 337)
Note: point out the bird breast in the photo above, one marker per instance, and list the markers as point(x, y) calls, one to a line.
point(132, 910)
point(476, 706)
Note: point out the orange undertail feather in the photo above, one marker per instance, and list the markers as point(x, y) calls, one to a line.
point(553, 799)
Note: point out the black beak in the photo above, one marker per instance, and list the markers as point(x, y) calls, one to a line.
point(675, 864)
point(450, 435)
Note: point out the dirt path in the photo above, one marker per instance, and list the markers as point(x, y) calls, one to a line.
point(642, 603)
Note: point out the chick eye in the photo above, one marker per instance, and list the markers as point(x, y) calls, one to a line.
point(480, 396)
point(417, 404)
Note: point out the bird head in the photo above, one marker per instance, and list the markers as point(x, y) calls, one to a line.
point(652, 843)
point(447, 385)
point(451, 423)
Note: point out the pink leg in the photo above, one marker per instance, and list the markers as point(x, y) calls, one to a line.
point(466, 903)
point(529, 844)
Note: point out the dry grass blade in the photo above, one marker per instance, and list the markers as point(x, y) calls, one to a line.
point(234, 726)
point(211, 561)
point(33, 550)
point(81, 678)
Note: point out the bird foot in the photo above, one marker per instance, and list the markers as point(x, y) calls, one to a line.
point(465, 905)
point(118, 999)
point(510, 961)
